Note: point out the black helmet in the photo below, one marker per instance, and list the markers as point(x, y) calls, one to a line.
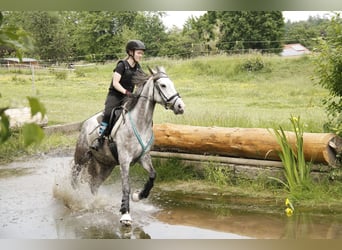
point(135, 45)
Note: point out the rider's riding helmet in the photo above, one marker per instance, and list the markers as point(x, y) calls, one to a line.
point(135, 45)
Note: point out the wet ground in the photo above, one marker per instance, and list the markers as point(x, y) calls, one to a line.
point(37, 202)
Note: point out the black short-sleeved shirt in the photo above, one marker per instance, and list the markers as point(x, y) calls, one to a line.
point(127, 72)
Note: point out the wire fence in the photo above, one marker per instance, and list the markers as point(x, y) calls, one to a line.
point(182, 51)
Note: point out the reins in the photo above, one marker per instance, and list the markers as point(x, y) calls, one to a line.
point(137, 135)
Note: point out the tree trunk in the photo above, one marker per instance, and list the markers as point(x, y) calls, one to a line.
point(255, 143)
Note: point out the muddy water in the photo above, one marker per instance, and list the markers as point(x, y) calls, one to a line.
point(37, 202)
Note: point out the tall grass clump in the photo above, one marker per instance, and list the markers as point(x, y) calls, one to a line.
point(296, 169)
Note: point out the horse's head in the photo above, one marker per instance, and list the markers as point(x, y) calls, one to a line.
point(166, 93)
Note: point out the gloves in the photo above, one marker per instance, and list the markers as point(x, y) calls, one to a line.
point(128, 93)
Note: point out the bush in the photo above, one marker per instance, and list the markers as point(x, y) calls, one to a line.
point(328, 74)
point(60, 75)
point(253, 64)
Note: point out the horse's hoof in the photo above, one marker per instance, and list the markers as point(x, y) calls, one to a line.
point(126, 220)
point(135, 196)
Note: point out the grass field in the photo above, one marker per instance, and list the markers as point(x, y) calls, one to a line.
point(216, 91)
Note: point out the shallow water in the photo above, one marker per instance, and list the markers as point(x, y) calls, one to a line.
point(38, 202)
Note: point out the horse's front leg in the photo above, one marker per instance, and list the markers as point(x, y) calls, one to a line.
point(126, 218)
point(146, 162)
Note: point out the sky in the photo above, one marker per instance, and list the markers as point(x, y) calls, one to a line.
point(178, 18)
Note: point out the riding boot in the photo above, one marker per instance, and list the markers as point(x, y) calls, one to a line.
point(98, 143)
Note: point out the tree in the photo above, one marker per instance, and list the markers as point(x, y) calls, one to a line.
point(204, 32)
point(47, 30)
point(13, 39)
point(99, 32)
point(177, 45)
point(328, 73)
point(306, 32)
point(151, 31)
point(257, 30)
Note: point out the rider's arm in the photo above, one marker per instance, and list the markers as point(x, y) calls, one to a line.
point(116, 83)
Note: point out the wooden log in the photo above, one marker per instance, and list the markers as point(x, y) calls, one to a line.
point(254, 143)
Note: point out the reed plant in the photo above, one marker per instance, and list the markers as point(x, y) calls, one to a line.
point(296, 169)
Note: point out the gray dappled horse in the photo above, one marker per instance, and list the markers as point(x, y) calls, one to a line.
point(130, 139)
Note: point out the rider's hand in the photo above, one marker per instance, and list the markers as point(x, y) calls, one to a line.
point(128, 93)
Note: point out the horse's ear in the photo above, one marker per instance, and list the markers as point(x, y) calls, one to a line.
point(151, 70)
point(161, 69)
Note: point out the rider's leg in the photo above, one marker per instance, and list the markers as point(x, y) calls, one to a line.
point(111, 102)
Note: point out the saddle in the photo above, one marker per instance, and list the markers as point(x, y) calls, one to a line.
point(114, 117)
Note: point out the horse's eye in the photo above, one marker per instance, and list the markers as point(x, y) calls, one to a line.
point(163, 85)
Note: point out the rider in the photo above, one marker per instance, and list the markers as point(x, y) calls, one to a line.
point(121, 85)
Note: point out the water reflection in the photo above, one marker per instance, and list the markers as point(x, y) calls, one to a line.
point(306, 226)
point(238, 215)
point(95, 225)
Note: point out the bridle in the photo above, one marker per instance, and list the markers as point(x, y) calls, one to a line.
point(169, 101)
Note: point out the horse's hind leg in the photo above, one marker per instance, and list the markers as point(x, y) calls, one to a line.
point(78, 164)
point(98, 174)
point(146, 162)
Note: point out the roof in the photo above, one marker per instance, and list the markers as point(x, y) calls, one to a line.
point(294, 49)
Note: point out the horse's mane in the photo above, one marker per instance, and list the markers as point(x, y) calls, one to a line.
point(139, 80)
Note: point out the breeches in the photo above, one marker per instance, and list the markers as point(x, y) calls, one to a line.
point(111, 102)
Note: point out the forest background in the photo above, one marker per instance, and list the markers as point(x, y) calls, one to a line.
point(98, 36)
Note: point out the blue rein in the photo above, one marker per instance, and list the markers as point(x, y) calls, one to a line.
point(136, 133)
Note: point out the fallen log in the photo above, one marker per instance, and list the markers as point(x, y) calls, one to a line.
point(254, 143)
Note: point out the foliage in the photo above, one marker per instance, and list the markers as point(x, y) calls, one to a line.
point(151, 30)
point(178, 45)
point(296, 169)
point(92, 35)
point(181, 172)
point(48, 31)
point(244, 30)
point(98, 36)
point(253, 63)
point(218, 175)
point(13, 38)
point(4, 126)
point(328, 72)
point(307, 32)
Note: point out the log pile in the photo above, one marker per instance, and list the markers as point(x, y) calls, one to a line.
point(253, 143)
